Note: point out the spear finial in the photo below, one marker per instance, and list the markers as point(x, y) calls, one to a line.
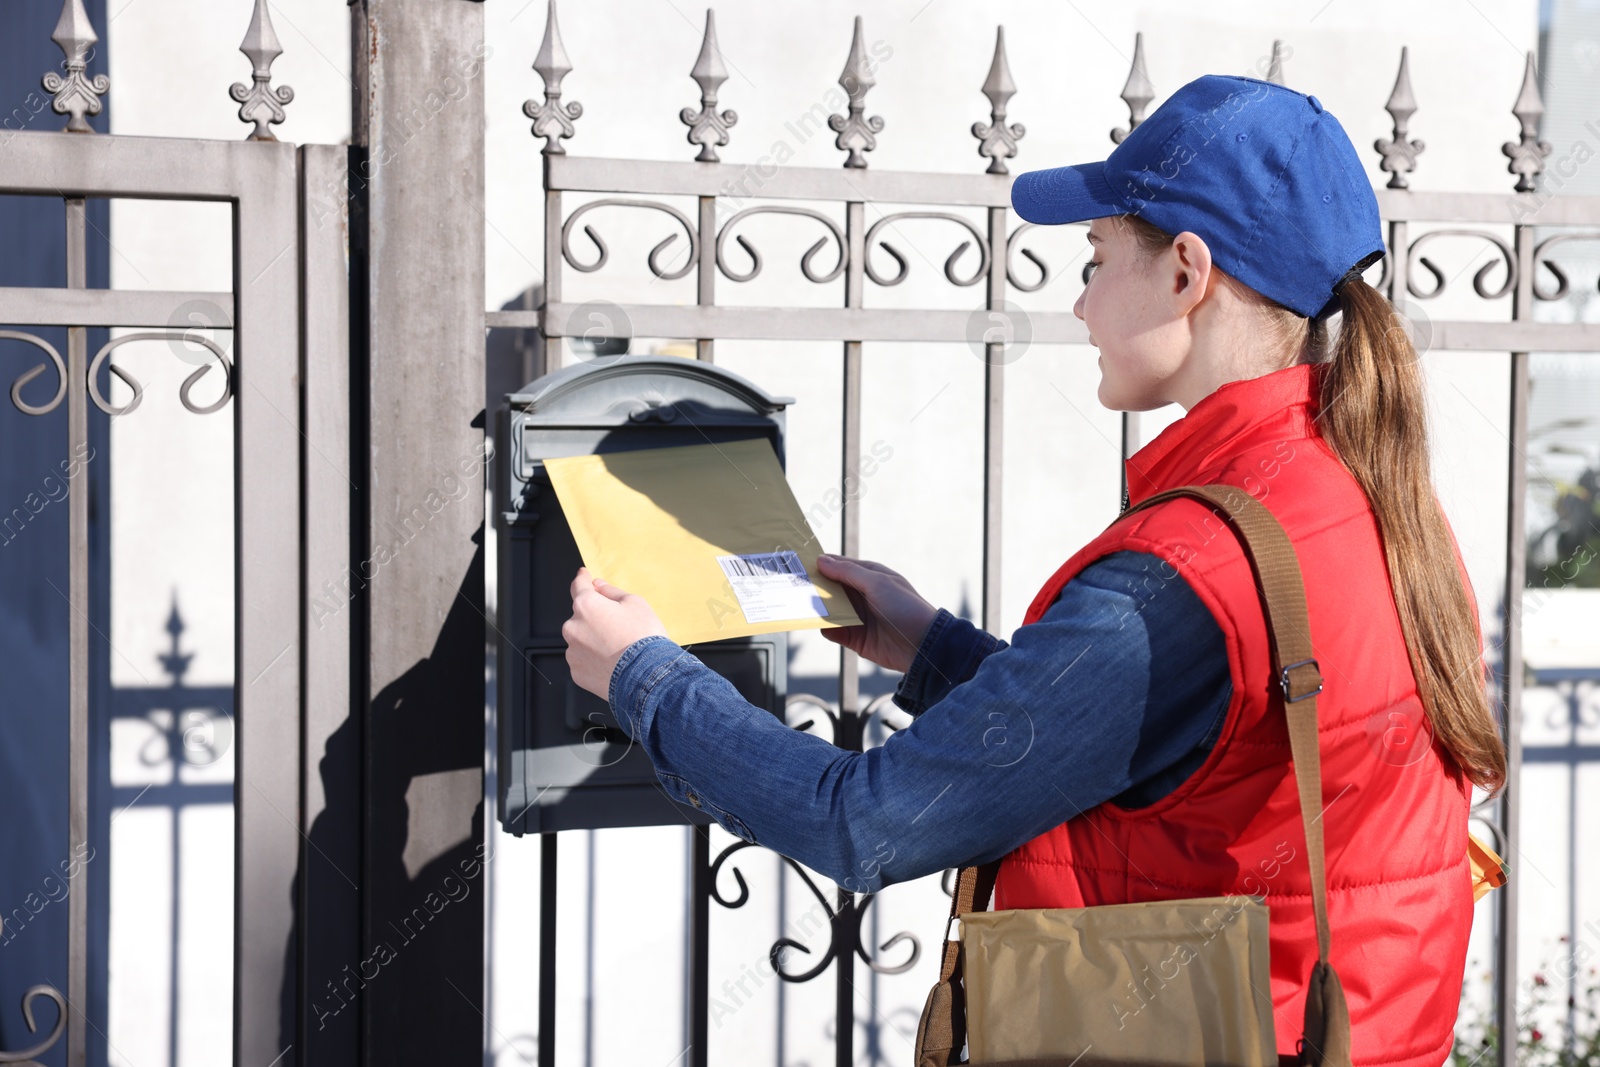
point(855, 130)
point(259, 102)
point(76, 94)
point(995, 139)
point(1137, 92)
point(1527, 152)
point(1275, 71)
point(707, 128)
point(552, 119)
point(1400, 151)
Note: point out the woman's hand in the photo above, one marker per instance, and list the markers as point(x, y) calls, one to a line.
point(894, 618)
point(605, 621)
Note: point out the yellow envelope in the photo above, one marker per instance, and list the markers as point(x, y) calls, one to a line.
point(710, 534)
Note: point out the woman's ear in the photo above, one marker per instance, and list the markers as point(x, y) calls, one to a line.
point(1189, 275)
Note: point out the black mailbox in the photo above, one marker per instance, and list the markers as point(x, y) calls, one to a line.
point(564, 763)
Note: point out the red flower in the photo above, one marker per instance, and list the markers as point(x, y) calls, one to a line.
point(1538, 979)
point(1538, 1035)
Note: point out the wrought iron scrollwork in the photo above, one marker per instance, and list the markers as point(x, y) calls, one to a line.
point(61, 375)
point(844, 921)
point(1560, 275)
point(805, 259)
point(844, 926)
point(875, 708)
point(1506, 255)
point(653, 260)
point(26, 1057)
point(1028, 254)
point(826, 707)
point(896, 939)
point(138, 390)
point(903, 268)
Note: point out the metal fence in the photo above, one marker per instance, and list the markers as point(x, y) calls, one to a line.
point(843, 258)
point(297, 391)
point(259, 387)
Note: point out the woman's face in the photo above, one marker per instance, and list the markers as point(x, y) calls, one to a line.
point(1133, 319)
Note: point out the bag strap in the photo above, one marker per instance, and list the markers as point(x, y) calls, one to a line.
point(1277, 571)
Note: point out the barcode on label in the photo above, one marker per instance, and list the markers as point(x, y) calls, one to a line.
point(785, 563)
point(772, 586)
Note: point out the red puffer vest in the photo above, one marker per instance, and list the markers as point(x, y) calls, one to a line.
point(1395, 817)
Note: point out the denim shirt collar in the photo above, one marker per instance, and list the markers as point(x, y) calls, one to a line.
point(1235, 416)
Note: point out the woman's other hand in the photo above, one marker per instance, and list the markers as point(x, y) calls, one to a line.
point(894, 618)
point(605, 621)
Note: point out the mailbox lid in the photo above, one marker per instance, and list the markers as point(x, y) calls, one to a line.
point(635, 402)
point(605, 388)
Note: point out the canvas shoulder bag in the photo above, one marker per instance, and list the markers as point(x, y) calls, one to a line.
point(1052, 987)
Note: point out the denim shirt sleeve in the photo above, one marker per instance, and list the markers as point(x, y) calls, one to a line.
point(1116, 693)
point(948, 655)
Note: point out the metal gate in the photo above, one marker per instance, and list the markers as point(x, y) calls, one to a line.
point(258, 179)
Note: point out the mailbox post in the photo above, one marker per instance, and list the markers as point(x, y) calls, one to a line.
point(564, 762)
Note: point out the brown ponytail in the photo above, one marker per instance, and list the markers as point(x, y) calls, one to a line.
point(1373, 415)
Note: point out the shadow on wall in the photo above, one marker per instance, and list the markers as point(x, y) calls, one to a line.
point(399, 960)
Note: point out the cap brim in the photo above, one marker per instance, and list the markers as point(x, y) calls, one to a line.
point(1065, 194)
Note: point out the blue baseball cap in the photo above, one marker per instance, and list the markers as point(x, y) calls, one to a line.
point(1265, 175)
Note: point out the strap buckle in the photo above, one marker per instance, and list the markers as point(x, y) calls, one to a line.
point(1283, 681)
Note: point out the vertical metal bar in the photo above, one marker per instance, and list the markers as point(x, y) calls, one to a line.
point(706, 278)
point(843, 1001)
point(1130, 445)
point(77, 651)
point(1511, 678)
point(330, 792)
point(1511, 701)
point(850, 441)
point(588, 949)
point(779, 1059)
point(849, 665)
point(699, 1005)
point(994, 396)
point(547, 950)
point(175, 902)
point(1399, 235)
point(1574, 783)
point(845, 930)
point(268, 607)
point(550, 354)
